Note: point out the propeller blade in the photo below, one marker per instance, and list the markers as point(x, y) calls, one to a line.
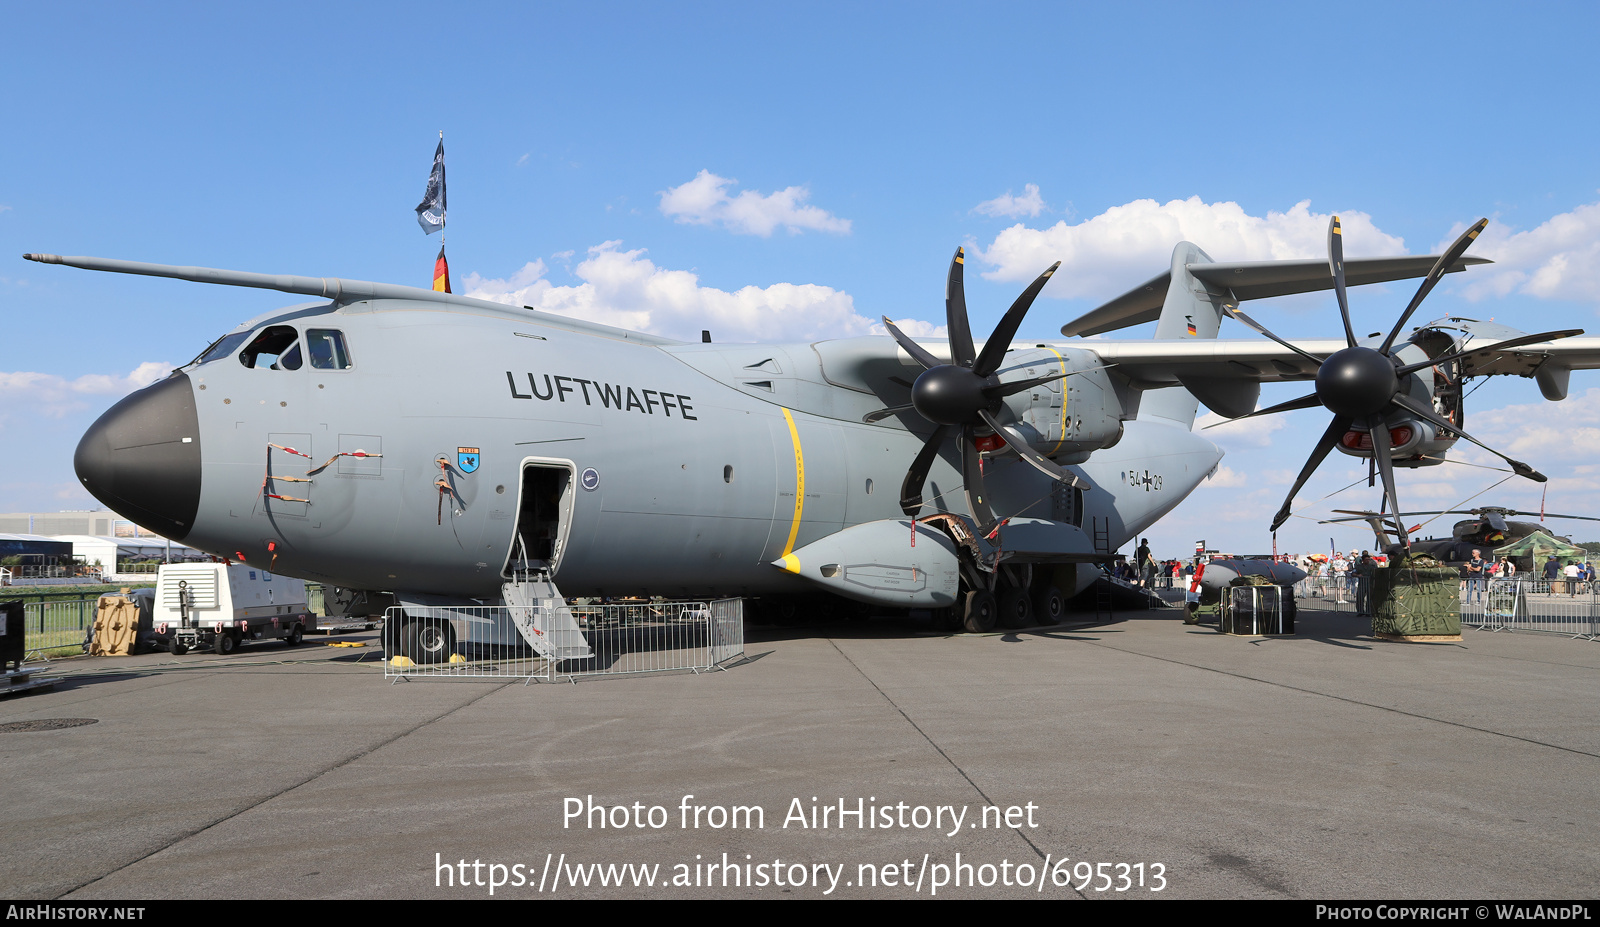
point(911, 488)
point(1336, 267)
point(1025, 450)
point(1421, 410)
point(972, 482)
point(1497, 346)
point(994, 350)
point(1002, 390)
point(1381, 452)
point(918, 354)
point(1428, 282)
point(881, 414)
point(1304, 402)
point(962, 352)
point(1336, 429)
point(1260, 329)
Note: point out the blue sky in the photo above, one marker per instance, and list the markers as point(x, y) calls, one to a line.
point(778, 172)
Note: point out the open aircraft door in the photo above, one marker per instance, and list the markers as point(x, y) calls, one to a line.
point(544, 516)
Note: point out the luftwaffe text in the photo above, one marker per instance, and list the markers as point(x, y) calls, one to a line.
point(606, 395)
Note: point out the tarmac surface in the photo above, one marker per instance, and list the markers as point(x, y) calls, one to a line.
point(1329, 765)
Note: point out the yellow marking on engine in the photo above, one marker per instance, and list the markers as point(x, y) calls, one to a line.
point(799, 483)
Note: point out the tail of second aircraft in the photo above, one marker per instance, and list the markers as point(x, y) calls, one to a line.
point(1194, 309)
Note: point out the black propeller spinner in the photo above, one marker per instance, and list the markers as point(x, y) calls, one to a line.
point(1362, 385)
point(966, 394)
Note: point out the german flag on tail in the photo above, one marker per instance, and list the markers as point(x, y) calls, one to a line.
point(441, 273)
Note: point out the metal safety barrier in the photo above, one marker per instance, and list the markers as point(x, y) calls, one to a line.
point(57, 624)
point(617, 639)
point(1558, 606)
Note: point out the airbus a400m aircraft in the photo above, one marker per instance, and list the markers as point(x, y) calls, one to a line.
point(441, 449)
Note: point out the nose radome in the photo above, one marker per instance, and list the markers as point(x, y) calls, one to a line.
point(142, 458)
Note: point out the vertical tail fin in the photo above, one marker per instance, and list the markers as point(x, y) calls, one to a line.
point(1194, 309)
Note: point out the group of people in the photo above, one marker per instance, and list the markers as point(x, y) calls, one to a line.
point(1147, 572)
point(1574, 574)
point(1571, 577)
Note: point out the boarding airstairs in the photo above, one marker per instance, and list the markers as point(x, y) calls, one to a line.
point(542, 617)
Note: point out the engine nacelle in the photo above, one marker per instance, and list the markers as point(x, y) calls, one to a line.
point(1067, 419)
point(1413, 443)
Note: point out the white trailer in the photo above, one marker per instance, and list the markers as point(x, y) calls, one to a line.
point(223, 605)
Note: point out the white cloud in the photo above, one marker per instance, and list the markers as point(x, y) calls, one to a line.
point(1008, 206)
point(1558, 260)
point(524, 159)
point(57, 397)
point(1228, 478)
point(1120, 248)
point(705, 201)
point(1249, 432)
point(627, 289)
point(1542, 431)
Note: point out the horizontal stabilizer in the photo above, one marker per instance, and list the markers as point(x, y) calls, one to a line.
point(1254, 280)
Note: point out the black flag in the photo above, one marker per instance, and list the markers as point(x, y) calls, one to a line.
point(430, 212)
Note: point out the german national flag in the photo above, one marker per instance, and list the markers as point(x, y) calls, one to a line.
point(441, 273)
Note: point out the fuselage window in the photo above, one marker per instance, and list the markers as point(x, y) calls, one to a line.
point(221, 348)
point(277, 347)
point(326, 346)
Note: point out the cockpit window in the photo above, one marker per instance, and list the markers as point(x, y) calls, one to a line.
point(326, 346)
point(277, 346)
point(220, 348)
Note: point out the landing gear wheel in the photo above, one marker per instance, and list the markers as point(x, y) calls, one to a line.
point(295, 634)
point(427, 641)
point(226, 642)
point(978, 611)
point(1016, 611)
point(175, 648)
point(1049, 606)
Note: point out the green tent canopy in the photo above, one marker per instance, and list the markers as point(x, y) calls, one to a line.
point(1533, 550)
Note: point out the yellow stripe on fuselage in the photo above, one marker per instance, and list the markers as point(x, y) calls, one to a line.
point(799, 483)
point(1064, 394)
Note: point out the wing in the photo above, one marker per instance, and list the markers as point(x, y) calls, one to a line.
point(1154, 364)
point(1253, 280)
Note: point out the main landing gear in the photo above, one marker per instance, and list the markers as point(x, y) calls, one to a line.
point(1021, 598)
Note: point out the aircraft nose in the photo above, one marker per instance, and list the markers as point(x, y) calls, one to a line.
point(142, 458)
